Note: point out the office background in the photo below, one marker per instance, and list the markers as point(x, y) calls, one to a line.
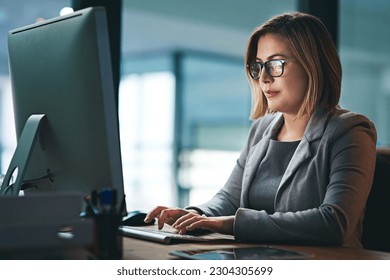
point(184, 101)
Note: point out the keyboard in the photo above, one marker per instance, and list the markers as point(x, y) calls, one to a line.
point(160, 236)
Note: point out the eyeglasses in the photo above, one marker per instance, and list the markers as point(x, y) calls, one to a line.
point(274, 68)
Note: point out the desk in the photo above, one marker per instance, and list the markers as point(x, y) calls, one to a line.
point(135, 249)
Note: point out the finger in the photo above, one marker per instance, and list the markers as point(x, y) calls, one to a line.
point(163, 216)
point(200, 224)
point(168, 216)
point(154, 213)
point(183, 225)
point(182, 219)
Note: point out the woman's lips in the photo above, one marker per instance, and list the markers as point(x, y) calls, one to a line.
point(271, 93)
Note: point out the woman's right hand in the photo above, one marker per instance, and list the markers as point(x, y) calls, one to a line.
point(167, 215)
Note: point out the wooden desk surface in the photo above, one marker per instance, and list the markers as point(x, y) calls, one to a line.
point(135, 249)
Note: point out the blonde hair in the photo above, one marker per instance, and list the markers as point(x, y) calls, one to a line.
point(313, 47)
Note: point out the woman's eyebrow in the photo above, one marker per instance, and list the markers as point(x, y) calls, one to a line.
point(273, 56)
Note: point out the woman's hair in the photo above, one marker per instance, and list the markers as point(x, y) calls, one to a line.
point(313, 47)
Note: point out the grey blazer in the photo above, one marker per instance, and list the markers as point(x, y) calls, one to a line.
point(322, 195)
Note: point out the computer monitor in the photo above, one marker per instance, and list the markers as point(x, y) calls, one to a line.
point(64, 106)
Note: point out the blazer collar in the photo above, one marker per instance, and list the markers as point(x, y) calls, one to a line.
point(316, 126)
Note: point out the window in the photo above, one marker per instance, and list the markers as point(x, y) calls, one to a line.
point(214, 114)
point(146, 109)
point(365, 53)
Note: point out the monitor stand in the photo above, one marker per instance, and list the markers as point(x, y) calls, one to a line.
point(21, 157)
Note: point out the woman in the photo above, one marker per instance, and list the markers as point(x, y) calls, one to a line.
point(306, 170)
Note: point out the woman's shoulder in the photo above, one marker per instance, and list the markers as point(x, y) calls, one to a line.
point(341, 120)
point(348, 118)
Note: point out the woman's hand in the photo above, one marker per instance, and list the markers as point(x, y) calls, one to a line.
point(223, 224)
point(168, 215)
point(187, 220)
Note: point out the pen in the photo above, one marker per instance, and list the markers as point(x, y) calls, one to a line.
point(91, 206)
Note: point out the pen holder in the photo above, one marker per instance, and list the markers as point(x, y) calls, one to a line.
point(107, 244)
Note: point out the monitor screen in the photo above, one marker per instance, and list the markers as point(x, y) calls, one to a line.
point(61, 68)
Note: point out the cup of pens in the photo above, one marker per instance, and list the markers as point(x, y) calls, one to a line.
point(102, 206)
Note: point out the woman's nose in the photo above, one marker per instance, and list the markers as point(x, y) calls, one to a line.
point(265, 77)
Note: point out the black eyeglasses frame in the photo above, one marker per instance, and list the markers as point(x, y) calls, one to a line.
point(262, 65)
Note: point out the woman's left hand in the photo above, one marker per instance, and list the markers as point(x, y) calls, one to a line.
point(222, 224)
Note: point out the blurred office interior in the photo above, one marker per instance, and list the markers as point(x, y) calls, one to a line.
point(184, 101)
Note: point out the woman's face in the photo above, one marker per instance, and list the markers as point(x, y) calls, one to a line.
point(285, 93)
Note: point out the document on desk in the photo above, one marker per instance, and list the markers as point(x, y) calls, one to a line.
point(169, 235)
